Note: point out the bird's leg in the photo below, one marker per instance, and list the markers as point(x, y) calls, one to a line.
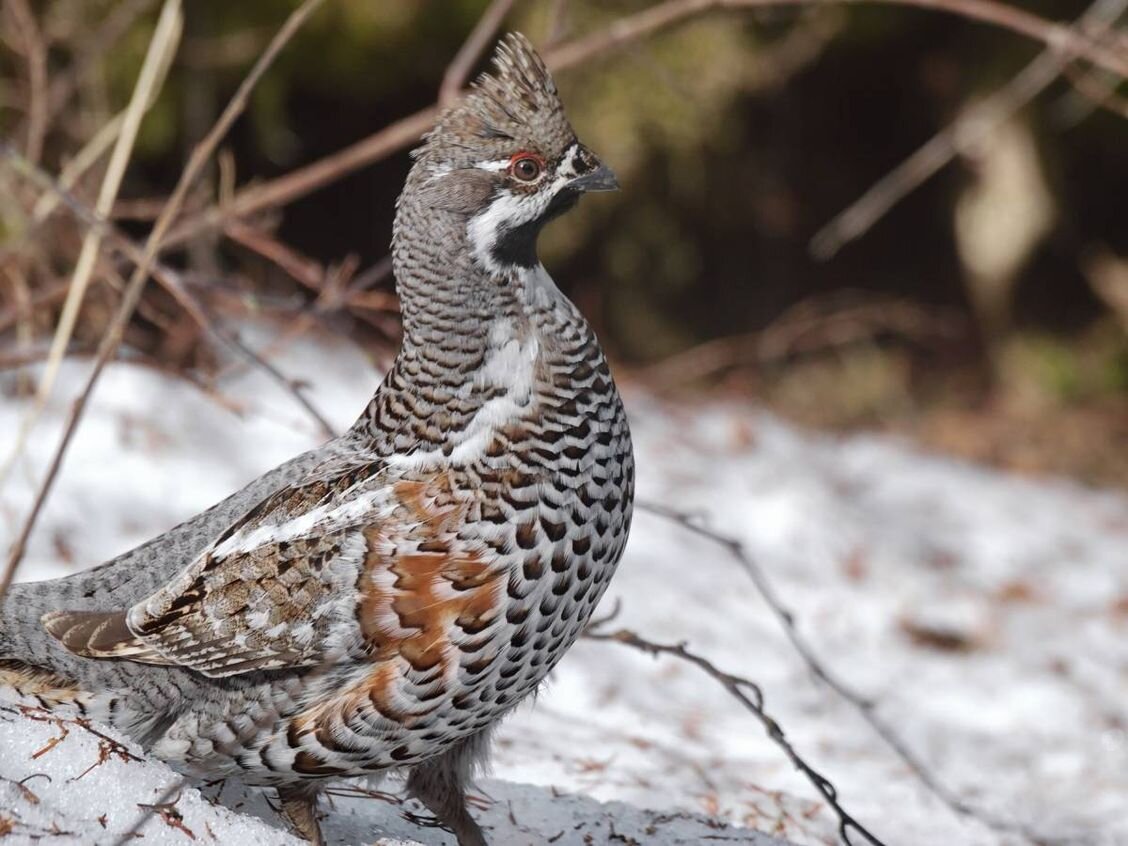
point(299, 804)
point(440, 784)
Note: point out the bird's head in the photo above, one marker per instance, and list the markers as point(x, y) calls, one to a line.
point(504, 160)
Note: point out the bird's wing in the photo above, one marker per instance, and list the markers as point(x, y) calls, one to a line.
point(139, 572)
point(266, 593)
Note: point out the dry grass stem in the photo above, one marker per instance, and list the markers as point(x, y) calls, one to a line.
point(170, 280)
point(91, 50)
point(95, 148)
point(163, 44)
point(35, 51)
point(1099, 88)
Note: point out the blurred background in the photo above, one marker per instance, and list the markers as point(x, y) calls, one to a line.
point(984, 313)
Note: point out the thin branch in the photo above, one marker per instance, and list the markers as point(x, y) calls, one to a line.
point(44, 295)
point(372, 277)
point(471, 51)
point(302, 269)
point(291, 386)
point(863, 705)
point(749, 695)
point(25, 333)
point(305, 180)
point(407, 131)
point(107, 745)
point(112, 338)
point(93, 150)
point(805, 329)
point(970, 129)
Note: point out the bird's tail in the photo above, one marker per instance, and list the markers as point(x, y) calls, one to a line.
point(37, 669)
point(31, 667)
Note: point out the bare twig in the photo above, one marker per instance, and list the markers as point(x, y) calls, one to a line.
point(1107, 275)
point(464, 60)
point(112, 338)
point(304, 180)
point(171, 795)
point(970, 129)
point(45, 295)
point(93, 150)
point(848, 316)
point(291, 386)
point(372, 277)
point(401, 134)
point(749, 695)
point(170, 815)
point(863, 705)
point(107, 746)
point(24, 330)
point(305, 270)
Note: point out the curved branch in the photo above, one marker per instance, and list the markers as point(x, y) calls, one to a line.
point(749, 694)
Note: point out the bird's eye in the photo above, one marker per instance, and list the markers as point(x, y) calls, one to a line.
point(526, 167)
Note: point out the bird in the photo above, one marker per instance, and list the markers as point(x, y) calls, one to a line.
point(379, 603)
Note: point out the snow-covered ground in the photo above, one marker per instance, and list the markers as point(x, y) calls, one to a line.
point(986, 615)
point(102, 793)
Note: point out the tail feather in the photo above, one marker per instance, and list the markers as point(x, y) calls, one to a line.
point(97, 634)
point(32, 661)
point(36, 662)
point(21, 672)
point(49, 689)
point(37, 667)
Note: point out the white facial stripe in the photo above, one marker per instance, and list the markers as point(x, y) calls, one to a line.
point(509, 210)
point(495, 166)
point(506, 212)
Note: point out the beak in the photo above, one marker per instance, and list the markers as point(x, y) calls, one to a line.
point(600, 179)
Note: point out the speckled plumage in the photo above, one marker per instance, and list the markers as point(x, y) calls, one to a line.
point(382, 601)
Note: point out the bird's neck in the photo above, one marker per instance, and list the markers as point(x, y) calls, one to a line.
point(470, 331)
point(448, 299)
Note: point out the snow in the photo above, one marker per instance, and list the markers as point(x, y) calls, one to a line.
point(986, 616)
point(94, 797)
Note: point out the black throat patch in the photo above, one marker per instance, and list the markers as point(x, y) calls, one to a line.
point(518, 246)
